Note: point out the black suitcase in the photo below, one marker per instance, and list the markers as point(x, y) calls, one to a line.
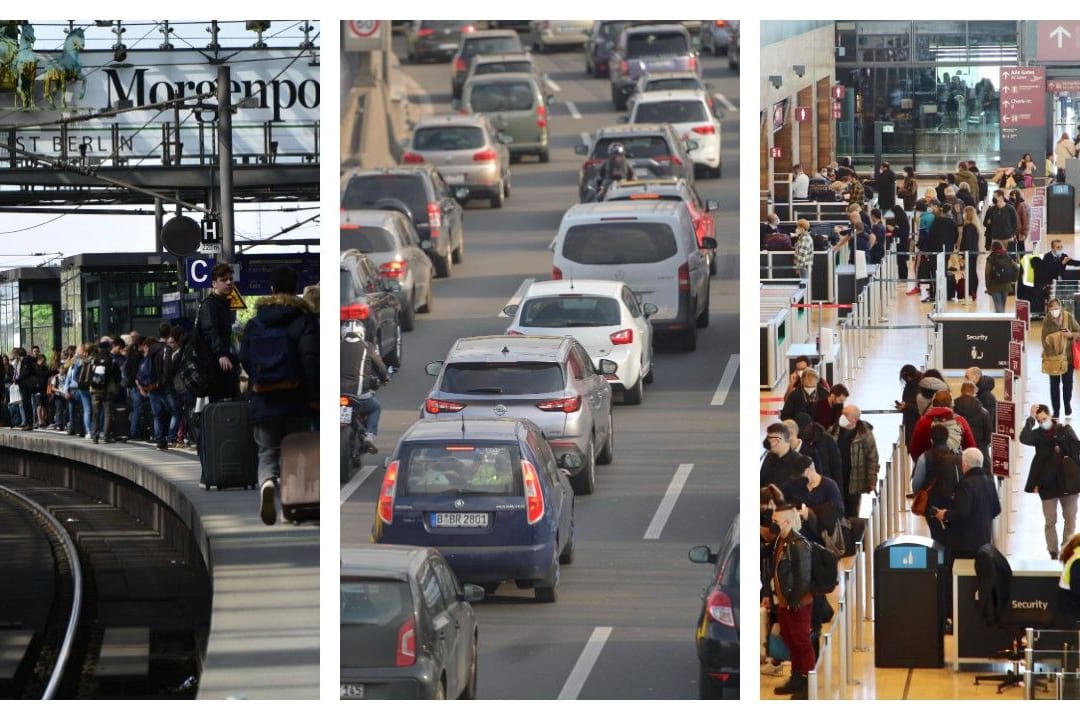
point(227, 450)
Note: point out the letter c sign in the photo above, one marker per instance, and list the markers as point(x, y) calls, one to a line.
point(198, 271)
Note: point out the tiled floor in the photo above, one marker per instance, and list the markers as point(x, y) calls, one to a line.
point(875, 388)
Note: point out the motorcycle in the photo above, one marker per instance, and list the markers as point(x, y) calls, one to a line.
point(354, 442)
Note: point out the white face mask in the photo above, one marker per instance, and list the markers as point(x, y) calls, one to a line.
point(1046, 424)
point(844, 422)
point(1055, 313)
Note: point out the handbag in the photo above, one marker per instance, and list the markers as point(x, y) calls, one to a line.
point(1076, 355)
point(1069, 476)
point(921, 500)
point(775, 647)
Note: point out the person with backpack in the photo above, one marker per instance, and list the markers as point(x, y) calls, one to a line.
point(858, 457)
point(788, 590)
point(150, 382)
point(99, 375)
point(1053, 471)
point(280, 352)
point(169, 352)
point(216, 342)
point(1059, 331)
point(820, 496)
point(362, 373)
point(941, 411)
point(968, 407)
point(1001, 272)
point(1001, 223)
point(938, 472)
point(128, 371)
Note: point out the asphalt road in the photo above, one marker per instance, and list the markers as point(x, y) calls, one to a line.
point(623, 626)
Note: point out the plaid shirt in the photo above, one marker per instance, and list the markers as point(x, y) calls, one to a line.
point(804, 251)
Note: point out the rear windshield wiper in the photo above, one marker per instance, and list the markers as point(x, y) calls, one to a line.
point(483, 391)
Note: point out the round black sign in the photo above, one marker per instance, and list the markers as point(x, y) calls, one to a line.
point(181, 236)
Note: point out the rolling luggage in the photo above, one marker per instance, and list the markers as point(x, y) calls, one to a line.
point(227, 451)
point(299, 483)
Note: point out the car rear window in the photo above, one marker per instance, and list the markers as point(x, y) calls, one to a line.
point(449, 137)
point(445, 24)
point(564, 311)
point(510, 66)
point(523, 378)
point(364, 191)
point(490, 46)
point(367, 239)
point(619, 243)
point(611, 30)
point(729, 572)
point(686, 83)
point(347, 290)
point(672, 111)
point(651, 44)
point(461, 468)
point(501, 96)
point(639, 146)
point(372, 611)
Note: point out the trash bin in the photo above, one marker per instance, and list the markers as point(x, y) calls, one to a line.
point(908, 617)
point(1059, 208)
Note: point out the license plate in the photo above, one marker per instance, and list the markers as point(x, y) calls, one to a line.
point(352, 691)
point(459, 520)
point(458, 179)
point(448, 46)
point(346, 415)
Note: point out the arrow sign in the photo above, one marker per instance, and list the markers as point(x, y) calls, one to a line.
point(1061, 34)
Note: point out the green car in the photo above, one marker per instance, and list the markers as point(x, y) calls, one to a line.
point(516, 105)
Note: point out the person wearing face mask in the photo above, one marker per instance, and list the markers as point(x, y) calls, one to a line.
point(968, 407)
point(787, 590)
point(819, 446)
point(1054, 264)
point(984, 384)
point(805, 399)
point(858, 457)
point(828, 411)
point(1059, 330)
point(1052, 442)
point(802, 363)
point(776, 468)
point(960, 435)
point(1001, 272)
point(909, 378)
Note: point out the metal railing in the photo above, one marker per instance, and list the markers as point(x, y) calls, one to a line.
point(1064, 658)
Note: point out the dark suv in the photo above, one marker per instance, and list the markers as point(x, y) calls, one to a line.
point(655, 150)
point(420, 192)
point(644, 49)
point(717, 632)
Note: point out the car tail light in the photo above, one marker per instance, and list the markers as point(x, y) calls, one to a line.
point(434, 218)
point(412, 158)
point(556, 273)
point(468, 28)
point(622, 337)
point(721, 23)
point(718, 608)
point(406, 644)
point(395, 269)
point(515, 333)
point(424, 32)
point(704, 130)
point(693, 63)
point(485, 156)
point(436, 407)
point(566, 405)
point(541, 116)
point(684, 277)
point(459, 65)
point(356, 311)
point(386, 494)
point(534, 499)
point(624, 67)
point(593, 163)
point(671, 159)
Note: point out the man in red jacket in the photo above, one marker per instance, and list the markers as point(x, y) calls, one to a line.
point(960, 435)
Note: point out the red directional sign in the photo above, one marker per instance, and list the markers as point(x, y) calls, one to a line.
point(838, 92)
point(1005, 422)
point(776, 152)
point(1023, 98)
point(999, 453)
point(802, 113)
point(837, 110)
point(1057, 40)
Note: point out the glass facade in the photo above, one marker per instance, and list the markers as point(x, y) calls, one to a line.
point(933, 85)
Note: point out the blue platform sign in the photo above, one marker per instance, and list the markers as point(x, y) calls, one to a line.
point(907, 557)
point(256, 271)
point(197, 271)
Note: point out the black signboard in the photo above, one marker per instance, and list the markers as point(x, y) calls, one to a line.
point(979, 343)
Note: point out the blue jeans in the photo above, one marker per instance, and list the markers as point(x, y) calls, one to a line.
point(134, 410)
point(371, 410)
point(172, 406)
point(84, 400)
point(999, 301)
point(15, 410)
point(159, 406)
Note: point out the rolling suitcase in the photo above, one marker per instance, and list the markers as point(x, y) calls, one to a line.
point(299, 483)
point(227, 451)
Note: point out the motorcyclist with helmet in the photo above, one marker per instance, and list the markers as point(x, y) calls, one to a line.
point(616, 167)
point(362, 372)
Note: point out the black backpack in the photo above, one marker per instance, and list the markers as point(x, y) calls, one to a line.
point(275, 358)
point(1001, 270)
point(189, 370)
point(824, 572)
point(98, 371)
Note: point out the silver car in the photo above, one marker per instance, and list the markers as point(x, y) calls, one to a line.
point(390, 240)
point(468, 152)
point(549, 380)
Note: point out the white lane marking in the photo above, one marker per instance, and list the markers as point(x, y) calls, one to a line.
point(515, 299)
point(354, 484)
point(584, 665)
point(552, 85)
point(573, 110)
point(725, 381)
point(668, 503)
point(585, 139)
point(725, 102)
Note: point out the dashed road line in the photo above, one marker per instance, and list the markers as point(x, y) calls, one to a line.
point(515, 299)
point(585, 139)
point(552, 85)
point(584, 665)
point(354, 484)
point(725, 102)
point(668, 503)
point(573, 110)
point(720, 396)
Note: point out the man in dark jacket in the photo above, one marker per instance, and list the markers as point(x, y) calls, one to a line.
point(805, 399)
point(150, 381)
point(984, 384)
point(819, 446)
point(1054, 264)
point(968, 407)
point(941, 238)
point(1001, 221)
point(103, 381)
point(886, 186)
point(362, 371)
point(24, 374)
point(1052, 442)
point(778, 466)
point(287, 406)
point(858, 457)
point(788, 588)
point(216, 342)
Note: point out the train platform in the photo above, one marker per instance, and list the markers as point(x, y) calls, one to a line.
point(900, 338)
point(264, 626)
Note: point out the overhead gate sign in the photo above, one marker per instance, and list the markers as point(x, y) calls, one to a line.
point(364, 34)
point(280, 88)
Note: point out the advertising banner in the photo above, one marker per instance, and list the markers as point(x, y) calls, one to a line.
point(1005, 422)
point(999, 454)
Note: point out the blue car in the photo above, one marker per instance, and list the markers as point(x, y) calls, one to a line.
point(489, 494)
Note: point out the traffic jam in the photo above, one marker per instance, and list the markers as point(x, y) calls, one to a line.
point(538, 368)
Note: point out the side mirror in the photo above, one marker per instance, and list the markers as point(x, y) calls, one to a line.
point(455, 104)
point(461, 193)
point(386, 462)
point(701, 554)
point(608, 367)
point(649, 309)
point(549, 99)
point(709, 243)
point(581, 149)
point(433, 368)
point(711, 206)
point(570, 461)
point(510, 310)
point(623, 119)
point(504, 138)
point(472, 593)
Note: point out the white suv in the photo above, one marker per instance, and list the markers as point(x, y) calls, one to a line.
point(692, 116)
point(649, 245)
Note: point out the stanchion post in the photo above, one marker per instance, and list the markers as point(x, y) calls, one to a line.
point(842, 629)
point(811, 685)
point(849, 625)
point(871, 536)
point(860, 588)
point(1029, 665)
